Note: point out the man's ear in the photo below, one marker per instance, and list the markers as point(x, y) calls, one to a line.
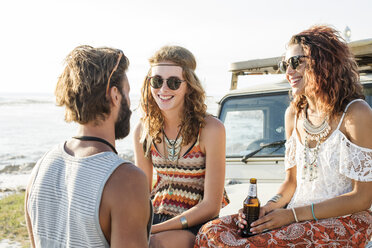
point(115, 96)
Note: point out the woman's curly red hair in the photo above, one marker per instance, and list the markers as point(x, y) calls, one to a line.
point(331, 72)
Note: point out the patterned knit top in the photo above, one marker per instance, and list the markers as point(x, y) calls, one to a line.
point(186, 180)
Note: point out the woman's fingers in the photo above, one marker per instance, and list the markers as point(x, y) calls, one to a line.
point(270, 221)
point(241, 221)
point(262, 220)
point(263, 211)
point(263, 227)
point(263, 224)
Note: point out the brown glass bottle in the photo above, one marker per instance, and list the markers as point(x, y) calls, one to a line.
point(251, 208)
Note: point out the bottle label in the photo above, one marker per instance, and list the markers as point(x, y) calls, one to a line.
point(252, 190)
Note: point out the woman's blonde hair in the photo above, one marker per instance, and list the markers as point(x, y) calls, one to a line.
point(194, 110)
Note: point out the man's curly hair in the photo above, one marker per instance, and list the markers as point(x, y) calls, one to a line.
point(194, 102)
point(81, 88)
point(331, 72)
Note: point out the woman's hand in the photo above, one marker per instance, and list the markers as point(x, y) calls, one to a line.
point(242, 222)
point(241, 219)
point(274, 219)
point(264, 210)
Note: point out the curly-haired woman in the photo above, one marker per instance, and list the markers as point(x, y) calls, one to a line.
point(328, 157)
point(184, 144)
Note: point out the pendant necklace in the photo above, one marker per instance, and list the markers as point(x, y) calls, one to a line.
point(173, 146)
point(172, 150)
point(318, 133)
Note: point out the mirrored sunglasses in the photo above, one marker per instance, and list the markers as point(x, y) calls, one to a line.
point(293, 62)
point(173, 82)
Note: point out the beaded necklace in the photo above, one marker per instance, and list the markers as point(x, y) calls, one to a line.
point(172, 154)
point(318, 133)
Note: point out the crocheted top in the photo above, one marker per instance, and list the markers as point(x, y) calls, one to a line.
point(339, 162)
point(186, 180)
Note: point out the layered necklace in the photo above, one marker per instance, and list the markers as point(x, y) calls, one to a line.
point(172, 149)
point(318, 133)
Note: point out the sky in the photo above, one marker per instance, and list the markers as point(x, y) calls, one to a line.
point(37, 35)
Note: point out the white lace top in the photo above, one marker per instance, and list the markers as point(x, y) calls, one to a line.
point(339, 161)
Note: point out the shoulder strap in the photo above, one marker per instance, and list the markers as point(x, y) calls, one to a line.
point(197, 139)
point(343, 114)
point(196, 143)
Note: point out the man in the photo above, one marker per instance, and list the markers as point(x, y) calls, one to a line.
point(81, 193)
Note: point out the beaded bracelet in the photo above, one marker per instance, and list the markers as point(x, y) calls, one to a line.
point(294, 214)
point(312, 211)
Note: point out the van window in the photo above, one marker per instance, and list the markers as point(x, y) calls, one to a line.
point(252, 121)
point(368, 93)
point(258, 119)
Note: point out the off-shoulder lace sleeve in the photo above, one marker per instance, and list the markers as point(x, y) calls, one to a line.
point(355, 161)
point(290, 153)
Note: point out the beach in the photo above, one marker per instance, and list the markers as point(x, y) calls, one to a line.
point(31, 124)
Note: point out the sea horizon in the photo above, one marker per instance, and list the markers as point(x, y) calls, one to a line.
point(31, 124)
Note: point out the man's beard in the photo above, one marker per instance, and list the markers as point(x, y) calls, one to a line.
point(122, 125)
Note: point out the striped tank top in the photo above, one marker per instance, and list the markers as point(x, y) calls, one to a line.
point(65, 197)
point(179, 187)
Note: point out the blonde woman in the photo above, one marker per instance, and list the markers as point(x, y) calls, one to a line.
point(184, 144)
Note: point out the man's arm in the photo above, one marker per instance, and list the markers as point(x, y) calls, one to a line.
point(127, 198)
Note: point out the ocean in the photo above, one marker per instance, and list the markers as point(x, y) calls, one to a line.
point(31, 124)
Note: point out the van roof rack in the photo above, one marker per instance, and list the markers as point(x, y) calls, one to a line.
point(362, 50)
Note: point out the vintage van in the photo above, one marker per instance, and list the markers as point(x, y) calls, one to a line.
point(253, 115)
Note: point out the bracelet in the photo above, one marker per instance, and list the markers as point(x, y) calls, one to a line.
point(184, 222)
point(276, 198)
point(312, 211)
point(294, 214)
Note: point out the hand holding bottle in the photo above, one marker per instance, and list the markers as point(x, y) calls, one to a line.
point(251, 208)
point(264, 210)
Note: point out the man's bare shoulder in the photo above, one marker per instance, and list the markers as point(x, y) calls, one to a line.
point(127, 177)
point(126, 201)
point(126, 188)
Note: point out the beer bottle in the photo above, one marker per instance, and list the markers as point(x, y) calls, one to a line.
point(251, 208)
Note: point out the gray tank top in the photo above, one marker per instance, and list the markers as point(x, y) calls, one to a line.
point(65, 196)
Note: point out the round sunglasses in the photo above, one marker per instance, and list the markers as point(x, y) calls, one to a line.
point(293, 62)
point(157, 82)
